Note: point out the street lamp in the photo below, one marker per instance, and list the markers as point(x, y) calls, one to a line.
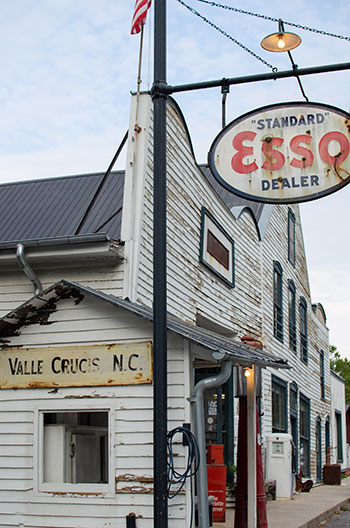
point(280, 41)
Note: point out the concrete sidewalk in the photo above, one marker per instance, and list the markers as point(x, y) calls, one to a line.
point(305, 510)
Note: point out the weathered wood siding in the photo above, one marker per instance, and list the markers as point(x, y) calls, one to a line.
point(131, 407)
point(248, 307)
point(307, 376)
point(192, 289)
point(16, 288)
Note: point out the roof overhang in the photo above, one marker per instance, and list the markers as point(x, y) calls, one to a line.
point(63, 249)
point(41, 306)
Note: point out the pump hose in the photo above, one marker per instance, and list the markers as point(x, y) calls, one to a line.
point(176, 478)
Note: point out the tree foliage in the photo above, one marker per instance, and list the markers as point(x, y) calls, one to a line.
point(341, 366)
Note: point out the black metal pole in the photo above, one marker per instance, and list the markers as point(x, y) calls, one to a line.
point(327, 68)
point(160, 508)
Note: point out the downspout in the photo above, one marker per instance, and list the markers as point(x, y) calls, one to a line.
point(23, 264)
point(199, 431)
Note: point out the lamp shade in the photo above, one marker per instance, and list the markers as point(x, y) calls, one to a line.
point(281, 42)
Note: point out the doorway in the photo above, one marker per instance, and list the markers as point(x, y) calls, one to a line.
point(218, 411)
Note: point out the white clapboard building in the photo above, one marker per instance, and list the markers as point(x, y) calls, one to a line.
point(76, 413)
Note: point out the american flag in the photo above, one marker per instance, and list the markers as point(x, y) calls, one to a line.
point(139, 18)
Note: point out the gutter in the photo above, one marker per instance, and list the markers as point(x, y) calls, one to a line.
point(23, 264)
point(71, 248)
point(199, 431)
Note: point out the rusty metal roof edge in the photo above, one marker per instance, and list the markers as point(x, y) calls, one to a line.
point(240, 353)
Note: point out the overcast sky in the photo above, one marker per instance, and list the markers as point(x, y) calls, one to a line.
point(67, 69)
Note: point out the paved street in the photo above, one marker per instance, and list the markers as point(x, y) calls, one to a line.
point(338, 520)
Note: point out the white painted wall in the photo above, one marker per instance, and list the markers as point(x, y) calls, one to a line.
point(248, 307)
point(131, 412)
point(338, 404)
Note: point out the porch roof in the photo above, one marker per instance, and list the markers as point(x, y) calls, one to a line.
point(40, 307)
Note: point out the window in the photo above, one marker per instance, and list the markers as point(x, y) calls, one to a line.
point(338, 423)
point(318, 449)
point(74, 450)
point(293, 417)
point(277, 302)
point(279, 405)
point(327, 432)
point(291, 237)
point(292, 316)
point(304, 435)
point(217, 249)
point(303, 330)
point(322, 374)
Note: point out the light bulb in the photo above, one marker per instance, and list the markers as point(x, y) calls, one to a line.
point(281, 44)
point(247, 373)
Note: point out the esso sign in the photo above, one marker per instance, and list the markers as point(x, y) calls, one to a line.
point(285, 153)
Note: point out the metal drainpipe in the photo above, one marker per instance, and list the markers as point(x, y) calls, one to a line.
point(23, 264)
point(199, 431)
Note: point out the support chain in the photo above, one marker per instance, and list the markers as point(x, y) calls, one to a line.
point(272, 19)
point(274, 69)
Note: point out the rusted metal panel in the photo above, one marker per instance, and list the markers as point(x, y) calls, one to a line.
point(76, 366)
point(284, 153)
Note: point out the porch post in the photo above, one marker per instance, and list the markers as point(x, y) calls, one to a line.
point(251, 448)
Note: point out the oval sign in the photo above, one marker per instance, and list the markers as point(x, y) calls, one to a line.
point(284, 153)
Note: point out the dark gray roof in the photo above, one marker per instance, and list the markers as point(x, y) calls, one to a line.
point(54, 207)
point(39, 308)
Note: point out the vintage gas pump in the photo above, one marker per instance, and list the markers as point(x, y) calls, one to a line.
point(216, 472)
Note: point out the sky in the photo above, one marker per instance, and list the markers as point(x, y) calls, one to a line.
point(67, 70)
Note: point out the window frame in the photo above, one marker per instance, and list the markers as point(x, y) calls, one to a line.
point(291, 237)
point(278, 301)
point(304, 440)
point(209, 223)
point(294, 413)
point(322, 375)
point(339, 428)
point(281, 384)
point(303, 330)
point(327, 435)
point(100, 489)
point(292, 316)
point(318, 453)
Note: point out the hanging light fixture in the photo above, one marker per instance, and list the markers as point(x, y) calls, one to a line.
point(280, 41)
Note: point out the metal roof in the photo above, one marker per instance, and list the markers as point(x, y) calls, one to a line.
point(39, 308)
point(54, 207)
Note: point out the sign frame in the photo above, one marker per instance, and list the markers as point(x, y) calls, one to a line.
point(103, 364)
point(255, 113)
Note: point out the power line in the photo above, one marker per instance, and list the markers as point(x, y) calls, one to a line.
point(274, 69)
point(272, 19)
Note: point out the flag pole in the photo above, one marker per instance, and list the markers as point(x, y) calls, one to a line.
point(136, 126)
point(140, 63)
point(139, 80)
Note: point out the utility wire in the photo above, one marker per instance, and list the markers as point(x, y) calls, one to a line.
point(100, 187)
point(228, 36)
point(272, 19)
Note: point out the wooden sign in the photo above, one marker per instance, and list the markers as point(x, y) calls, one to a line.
point(75, 366)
